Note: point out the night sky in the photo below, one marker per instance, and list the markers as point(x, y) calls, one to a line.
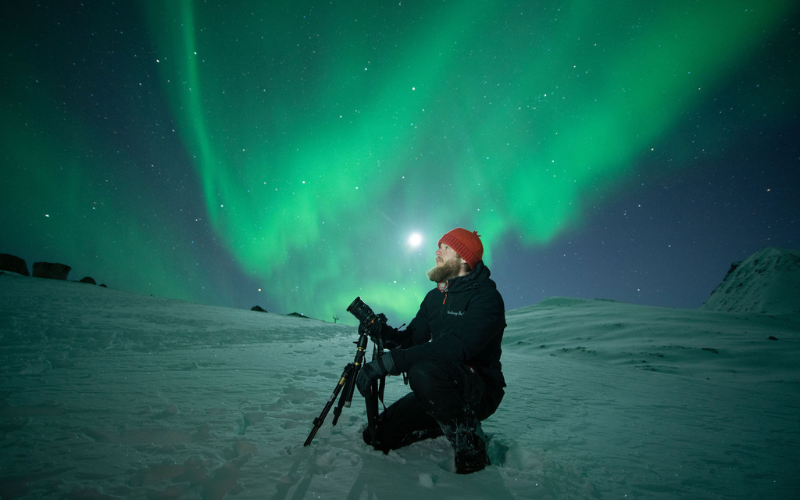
point(284, 153)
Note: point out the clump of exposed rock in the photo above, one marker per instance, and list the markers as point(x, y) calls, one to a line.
point(13, 264)
point(50, 270)
point(47, 270)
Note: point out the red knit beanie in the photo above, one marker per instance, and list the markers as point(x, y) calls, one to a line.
point(467, 244)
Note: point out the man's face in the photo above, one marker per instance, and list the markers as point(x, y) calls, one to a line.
point(448, 265)
point(445, 254)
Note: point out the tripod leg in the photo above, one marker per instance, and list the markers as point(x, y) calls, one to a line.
point(321, 419)
point(347, 393)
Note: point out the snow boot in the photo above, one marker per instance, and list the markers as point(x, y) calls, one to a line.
point(472, 458)
point(469, 445)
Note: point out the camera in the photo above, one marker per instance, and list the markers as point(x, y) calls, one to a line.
point(371, 322)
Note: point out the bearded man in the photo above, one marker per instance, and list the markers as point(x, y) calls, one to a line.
point(451, 353)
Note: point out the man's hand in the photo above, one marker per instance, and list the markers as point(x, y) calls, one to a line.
point(389, 336)
point(374, 370)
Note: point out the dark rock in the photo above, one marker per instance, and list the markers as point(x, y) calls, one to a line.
point(298, 315)
point(104, 286)
point(772, 338)
point(14, 264)
point(50, 271)
point(89, 280)
point(733, 267)
point(258, 308)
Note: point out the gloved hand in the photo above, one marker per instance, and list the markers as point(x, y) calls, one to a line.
point(392, 337)
point(384, 330)
point(374, 370)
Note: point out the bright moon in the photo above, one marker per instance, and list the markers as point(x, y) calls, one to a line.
point(415, 240)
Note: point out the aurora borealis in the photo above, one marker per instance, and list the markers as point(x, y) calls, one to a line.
point(282, 153)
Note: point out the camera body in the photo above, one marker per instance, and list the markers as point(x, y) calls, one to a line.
point(371, 322)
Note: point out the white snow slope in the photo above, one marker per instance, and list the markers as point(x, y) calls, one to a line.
point(767, 282)
point(105, 394)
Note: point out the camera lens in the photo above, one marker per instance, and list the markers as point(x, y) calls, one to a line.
point(365, 315)
point(359, 309)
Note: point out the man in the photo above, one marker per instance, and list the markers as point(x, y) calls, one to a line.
point(451, 353)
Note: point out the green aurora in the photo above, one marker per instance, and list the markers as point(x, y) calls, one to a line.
point(322, 134)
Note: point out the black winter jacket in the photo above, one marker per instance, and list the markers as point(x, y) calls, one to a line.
point(461, 325)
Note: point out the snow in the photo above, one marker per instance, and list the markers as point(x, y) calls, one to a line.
point(106, 394)
point(767, 282)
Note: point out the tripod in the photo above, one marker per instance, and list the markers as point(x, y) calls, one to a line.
point(347, 382)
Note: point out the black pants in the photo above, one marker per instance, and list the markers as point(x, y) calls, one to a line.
point(442, 394)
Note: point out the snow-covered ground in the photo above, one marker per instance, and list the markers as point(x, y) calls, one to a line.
point(106, 394)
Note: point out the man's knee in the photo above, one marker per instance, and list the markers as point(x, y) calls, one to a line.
point(402, 423)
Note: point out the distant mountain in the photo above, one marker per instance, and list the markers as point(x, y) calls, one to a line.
point(767, 282)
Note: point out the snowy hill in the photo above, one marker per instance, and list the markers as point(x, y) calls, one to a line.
point(767, 282)
point(105, 394)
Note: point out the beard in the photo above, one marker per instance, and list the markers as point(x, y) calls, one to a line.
point(451, 269)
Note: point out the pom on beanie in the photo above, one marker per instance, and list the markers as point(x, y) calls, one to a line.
point(467, 244)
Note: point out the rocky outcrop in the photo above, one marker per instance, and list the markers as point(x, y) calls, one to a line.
point(50, 270)
point(13, 264)
point(258, 308)
point(89, 280)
